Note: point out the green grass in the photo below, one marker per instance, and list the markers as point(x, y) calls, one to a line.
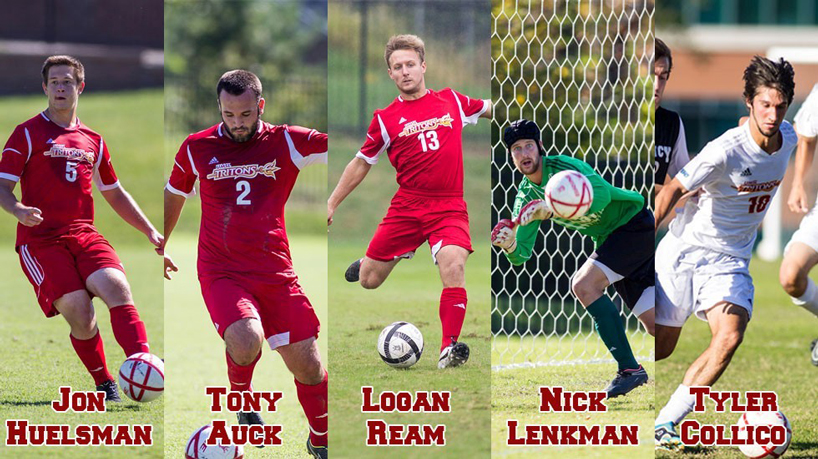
point(37, 358)
point(195, 356)
point(587, 347)
point(773, 356)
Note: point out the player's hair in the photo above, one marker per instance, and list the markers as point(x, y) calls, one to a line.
point(71, 61)
point(763, 72)
point(662, 50)
point(397, 42)
point(235, 82)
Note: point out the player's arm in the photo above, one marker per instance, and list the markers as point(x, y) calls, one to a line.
point(526, 237)
point(353, 175)
point(667, 198)
point(126, 207)
point(28, 216)
point(797, 200)
point(489, 109)
point(174, 203)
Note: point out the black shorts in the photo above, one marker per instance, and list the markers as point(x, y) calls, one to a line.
point(630, 251)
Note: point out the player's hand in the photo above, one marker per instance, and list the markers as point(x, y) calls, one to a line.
point(537, 209)
point(157, 240)
point(504, 236)
point(330, 213)
point(169, 267)
point(797, 201)
point(28, 216)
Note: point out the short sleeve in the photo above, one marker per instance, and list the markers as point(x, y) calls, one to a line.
point(705, 168)
point(183, 176)
point(377, 141)
point(806, 120)
point(470, 109)
point(104, 175)
point(307, 146)
point(15, 154)
point(680, 155)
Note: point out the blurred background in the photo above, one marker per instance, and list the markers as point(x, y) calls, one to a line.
point(284, 42)
point(120, 44)
point(456, 34)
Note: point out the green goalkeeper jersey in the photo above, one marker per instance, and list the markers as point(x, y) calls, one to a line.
point(611, 208)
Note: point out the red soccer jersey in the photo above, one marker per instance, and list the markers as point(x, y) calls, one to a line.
point(244, 187)
point(423, 140)
point(55, 167)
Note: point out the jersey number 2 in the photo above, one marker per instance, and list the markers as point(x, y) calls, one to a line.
point(432, 143)
point(244, 188)
point(759, 203)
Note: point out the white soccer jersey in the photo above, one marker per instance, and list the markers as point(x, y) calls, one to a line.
point(806, 120)
point(738, 180)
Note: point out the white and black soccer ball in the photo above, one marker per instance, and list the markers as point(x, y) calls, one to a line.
point(197, 448)
point(764, 418)
point(400, 345)
point(142, 377)
point(570, 194)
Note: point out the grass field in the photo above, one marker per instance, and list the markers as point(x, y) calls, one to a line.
point(195, 356)
point(35, 352)
point(773, 356)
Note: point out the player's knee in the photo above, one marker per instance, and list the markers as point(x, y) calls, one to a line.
point(791, 281)
point(727, 342)
point(584, 290)
point(370, 280)
point(244, 340)
point(453, 274)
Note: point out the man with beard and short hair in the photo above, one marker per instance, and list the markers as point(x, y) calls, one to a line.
point(703, 261)
point(246, 169)
point(621, 226)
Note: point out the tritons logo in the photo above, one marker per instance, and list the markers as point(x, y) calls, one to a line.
point(226, 171)
point(415, 127)
point(77, 154)
point(753, 187)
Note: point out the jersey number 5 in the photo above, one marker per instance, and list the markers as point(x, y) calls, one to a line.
point(759, 203)
point(71, 170)
point(243, 187)
point(432, 143)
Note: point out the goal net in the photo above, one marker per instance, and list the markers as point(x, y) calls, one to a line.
point(582, 71)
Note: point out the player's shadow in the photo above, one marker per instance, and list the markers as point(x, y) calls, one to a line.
point(25, 403)
point(803, 449)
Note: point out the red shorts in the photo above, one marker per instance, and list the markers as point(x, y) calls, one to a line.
point(285, 313)
point(412, 220)
point(62, 265)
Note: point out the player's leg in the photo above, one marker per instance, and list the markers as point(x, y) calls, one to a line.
point(243, 340)
point(372, 273)
point(451, 262)
point(304, 362)
point(799, 259)
point(666, 339)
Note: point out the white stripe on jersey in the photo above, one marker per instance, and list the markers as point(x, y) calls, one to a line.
point(386, 142)
point(34, 268)
point(13, 178)
point(28, 139)
point(300, 160)
point(190, 158)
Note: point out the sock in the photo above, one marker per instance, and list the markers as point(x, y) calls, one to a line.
point(453, 301)
point(92, 354)
point(129, 330)
point(809, 300)
point(313, 400)
point(678, 407)
point(610, 329)
point(240, 376)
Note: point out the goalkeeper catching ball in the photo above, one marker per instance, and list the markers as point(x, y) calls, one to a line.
point(622, 228)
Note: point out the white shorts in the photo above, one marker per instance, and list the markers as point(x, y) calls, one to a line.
point(692, 279)
point(808, 230)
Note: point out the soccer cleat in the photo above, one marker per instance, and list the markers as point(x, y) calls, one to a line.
point(814, 349)
point(353, 273)
point(666, 438)
point(250, 418)
point(453, 355)
point(111, 391)
point(626, 381)
point(318, 452)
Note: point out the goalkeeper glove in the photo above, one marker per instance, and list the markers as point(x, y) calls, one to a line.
point(537, 209)
point(503, 235)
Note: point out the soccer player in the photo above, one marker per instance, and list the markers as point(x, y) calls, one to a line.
point(421, 133)
point(703, 261)
point(56, 158)
point(671, 146)
point(246, 169)
point(801, 253)
point(619, 223)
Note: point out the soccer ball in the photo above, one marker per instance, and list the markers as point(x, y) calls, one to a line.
point(761, 418)
point(142, 377)
point(570, 194)
point(400, 345)
point(197, 448)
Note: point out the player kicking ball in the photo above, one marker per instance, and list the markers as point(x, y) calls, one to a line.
point(801, 253)
point(622, 228)
point(246, 169)
point(56, 159)
point(421, 133)
point(703, 261)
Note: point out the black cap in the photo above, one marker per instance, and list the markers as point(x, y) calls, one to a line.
point(521, 129)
